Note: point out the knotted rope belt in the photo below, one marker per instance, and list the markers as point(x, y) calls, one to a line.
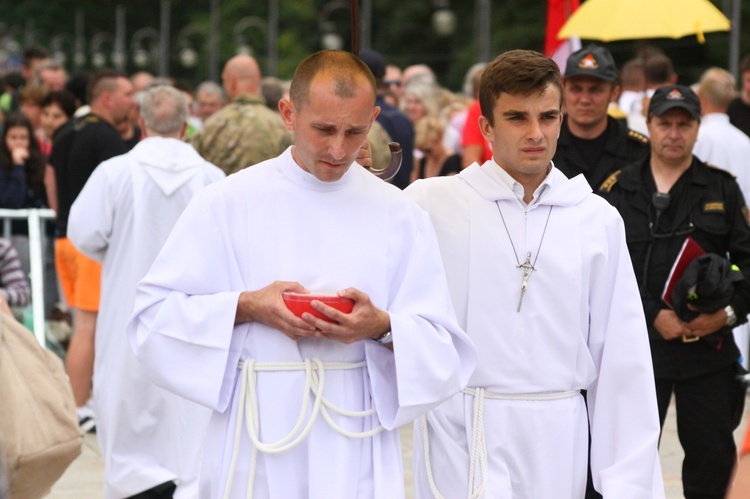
point(478, 444)
point(314, 382)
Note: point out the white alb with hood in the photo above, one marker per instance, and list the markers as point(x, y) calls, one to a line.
point(581, 327)
point(121, 218)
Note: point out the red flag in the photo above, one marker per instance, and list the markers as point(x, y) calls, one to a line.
point(558, 12)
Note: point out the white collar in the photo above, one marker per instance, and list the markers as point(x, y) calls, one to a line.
point(498, 174)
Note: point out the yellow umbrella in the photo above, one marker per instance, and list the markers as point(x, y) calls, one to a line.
point(608, 20)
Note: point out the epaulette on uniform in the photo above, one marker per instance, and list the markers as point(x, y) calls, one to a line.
point(80, 123)
point(639, 137)
point(720, 169)
point(610, 182)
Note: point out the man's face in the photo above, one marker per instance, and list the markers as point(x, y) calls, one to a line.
point(208, 104)
point(586, 100)
point(28, 71)
point(525, 131)
point(673, 135)
point(328, 129)
point(746, 87)
point(121, 100)
point(53, 79)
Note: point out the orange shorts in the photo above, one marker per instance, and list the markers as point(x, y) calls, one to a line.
point(80, 276)
point(746, 444)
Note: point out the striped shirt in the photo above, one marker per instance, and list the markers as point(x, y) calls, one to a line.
point(13, 282)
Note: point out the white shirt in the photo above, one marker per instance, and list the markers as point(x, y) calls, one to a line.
point(726, 146)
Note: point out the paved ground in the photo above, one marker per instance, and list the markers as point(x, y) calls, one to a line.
point(83, 480)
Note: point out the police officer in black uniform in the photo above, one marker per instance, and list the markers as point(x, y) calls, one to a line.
point(592, 142)
point(663, 199)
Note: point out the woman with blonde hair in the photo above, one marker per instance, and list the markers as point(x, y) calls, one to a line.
point(436, 160)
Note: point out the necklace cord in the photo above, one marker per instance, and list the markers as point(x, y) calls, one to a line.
point(541, 240)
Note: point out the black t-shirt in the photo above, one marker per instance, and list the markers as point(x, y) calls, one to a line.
point(79, 148)
point(451, 166)
point(739, 115)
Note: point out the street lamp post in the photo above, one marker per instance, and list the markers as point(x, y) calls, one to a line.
point(213, 42)
point(482, 9)
point(443, 19)
point(98, 56)
point(187, 54)
point(79, 54)
point(57, 44)
point(141, 56)
point(244, 47)
point(331, 40)
point(273, 37)
point(164, 38)
point(119, 58)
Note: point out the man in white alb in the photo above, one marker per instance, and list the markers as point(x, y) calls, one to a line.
point(542, 282)
point(304, 407)
point(150, 438)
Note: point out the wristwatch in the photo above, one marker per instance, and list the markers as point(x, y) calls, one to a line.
point(731, 316)
point(385, 339)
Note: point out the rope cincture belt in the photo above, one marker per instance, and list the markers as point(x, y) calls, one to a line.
point(314, 382)
point(478, 444)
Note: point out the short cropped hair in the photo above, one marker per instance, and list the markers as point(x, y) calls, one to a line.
point(164, 109)
point(345, 68)
point(717, 86)
point(658, 69)
point(211, 88)
point(103, 81)
point(32, 53)
point(517, 72)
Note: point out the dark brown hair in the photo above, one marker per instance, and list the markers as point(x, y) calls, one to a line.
point(36, 162)
point(518, 72)
point(64, 100)
point(343, 67)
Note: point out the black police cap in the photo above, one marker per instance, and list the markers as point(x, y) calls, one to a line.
point(674, 96)
point(592, 60)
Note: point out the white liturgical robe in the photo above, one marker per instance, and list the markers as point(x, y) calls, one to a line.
point(272, 222)
point(580, 327)
point(121, 218)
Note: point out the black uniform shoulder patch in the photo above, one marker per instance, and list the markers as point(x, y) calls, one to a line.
point(610, 182)
point(719, 169)
point(638, 137)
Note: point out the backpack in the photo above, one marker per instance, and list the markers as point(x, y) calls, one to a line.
point(39, 433)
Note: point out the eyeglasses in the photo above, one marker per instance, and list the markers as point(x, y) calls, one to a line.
point(391, 83)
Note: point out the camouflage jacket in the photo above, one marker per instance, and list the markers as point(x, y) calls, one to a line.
point(241, 134)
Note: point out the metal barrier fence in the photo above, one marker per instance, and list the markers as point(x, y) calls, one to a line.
point(37, 240)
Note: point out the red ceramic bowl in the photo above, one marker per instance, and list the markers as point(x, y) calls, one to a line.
point(299, 303)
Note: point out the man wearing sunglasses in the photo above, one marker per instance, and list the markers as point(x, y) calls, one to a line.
point(663, 199)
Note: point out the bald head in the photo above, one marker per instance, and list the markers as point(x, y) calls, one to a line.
point(241, 76)
point(347, 73)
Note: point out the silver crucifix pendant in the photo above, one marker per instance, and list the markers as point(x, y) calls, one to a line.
point(528, 268)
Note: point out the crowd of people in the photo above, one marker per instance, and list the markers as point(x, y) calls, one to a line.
point(513, 286)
